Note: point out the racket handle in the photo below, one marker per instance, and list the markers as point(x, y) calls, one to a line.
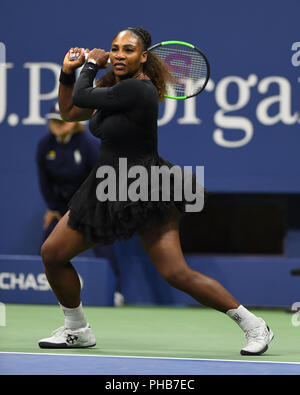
point(86, 54)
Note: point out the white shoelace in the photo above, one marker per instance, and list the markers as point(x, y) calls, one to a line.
point(59, 331)
point(256, 334)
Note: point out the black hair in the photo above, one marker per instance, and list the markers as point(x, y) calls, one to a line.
point(154, 67)
point(144, 36)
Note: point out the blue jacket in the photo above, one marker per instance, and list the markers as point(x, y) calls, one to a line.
point(62, 168)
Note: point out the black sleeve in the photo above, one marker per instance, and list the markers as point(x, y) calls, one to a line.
point(121, 96)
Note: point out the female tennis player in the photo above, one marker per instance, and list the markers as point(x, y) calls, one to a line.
point(123, 112)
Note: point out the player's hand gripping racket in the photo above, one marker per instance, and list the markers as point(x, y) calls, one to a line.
point(188, 66)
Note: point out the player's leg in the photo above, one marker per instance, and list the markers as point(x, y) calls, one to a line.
point(62, 245)
point(163, 247)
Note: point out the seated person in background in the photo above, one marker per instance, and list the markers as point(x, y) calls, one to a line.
point(65, 157)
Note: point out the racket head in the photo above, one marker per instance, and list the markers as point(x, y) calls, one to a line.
point(187, 64)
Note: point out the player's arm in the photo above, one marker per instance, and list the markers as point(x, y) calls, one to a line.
point(68, 111)
point(120, 97)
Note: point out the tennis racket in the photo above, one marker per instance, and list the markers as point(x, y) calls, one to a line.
point(188, 66)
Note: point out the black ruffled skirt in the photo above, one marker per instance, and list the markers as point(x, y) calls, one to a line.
point(104, 222)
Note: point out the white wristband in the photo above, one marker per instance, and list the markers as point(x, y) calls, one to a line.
point(91, 61)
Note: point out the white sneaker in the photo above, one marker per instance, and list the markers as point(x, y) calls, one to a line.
point(118, 299)
point(67, 338)
point(258, 339)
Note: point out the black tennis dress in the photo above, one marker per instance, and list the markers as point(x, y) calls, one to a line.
point(126, 123)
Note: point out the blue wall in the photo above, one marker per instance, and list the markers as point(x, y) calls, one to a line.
point(244, 129)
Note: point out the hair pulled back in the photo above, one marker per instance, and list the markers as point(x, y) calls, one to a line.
point(154, 67)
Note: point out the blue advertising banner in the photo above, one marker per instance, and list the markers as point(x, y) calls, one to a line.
point(244, 128)
point(22, 280)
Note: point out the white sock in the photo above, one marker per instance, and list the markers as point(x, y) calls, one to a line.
point(74, 318)
point(244, 318)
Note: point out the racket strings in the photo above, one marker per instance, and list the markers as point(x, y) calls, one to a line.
point(187, 66)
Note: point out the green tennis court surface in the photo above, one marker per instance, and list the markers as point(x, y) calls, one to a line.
point(179, 332)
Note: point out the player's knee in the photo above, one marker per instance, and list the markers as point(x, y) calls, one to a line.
point(178, 278)
point(49, 254)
